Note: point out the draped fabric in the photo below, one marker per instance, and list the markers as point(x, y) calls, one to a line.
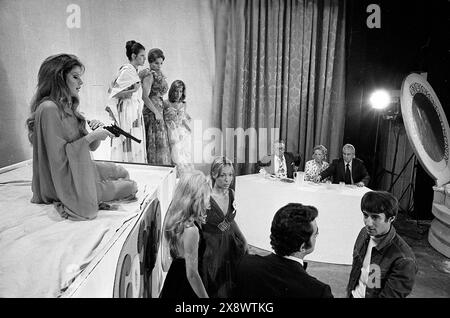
point(128, 114)
point(280, 64)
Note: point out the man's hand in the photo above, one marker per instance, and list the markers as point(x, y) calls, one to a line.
point(360, 184)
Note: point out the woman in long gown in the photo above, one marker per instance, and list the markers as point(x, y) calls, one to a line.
point(125, 106)
point(225, 244)
point(179, 132)
point(63, 171)
point(154, 87)
point(183, 236)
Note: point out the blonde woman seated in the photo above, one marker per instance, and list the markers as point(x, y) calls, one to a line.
point(314, 167)
point(184, 238)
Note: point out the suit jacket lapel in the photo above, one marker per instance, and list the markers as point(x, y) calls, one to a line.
point(289, 168)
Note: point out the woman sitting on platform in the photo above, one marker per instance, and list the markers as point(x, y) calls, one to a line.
point(63, 171)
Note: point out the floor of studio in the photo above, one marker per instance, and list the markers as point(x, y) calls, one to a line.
point(432, 280)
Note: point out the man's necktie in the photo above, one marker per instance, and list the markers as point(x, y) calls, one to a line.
point(348, 177)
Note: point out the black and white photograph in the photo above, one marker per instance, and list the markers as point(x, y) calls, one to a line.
point(250, 150)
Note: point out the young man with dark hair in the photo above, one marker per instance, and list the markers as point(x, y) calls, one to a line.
point(383, 263)
point(282, 274)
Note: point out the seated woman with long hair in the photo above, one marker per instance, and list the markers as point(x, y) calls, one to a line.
point(63, 171)
point(183, 235)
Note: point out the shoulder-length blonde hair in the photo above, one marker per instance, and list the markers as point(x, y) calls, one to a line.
point(189, 204)
point(52, 86)
point(217, 166)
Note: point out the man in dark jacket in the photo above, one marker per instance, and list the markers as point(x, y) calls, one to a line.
point(280, 163)
point(383, 263)
point(282, 274)
point(348, 169)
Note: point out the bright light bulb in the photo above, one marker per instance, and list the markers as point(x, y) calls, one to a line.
point(380, 99)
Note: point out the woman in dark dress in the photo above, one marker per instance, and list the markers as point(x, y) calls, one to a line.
point(183, 237)
point(225, 244)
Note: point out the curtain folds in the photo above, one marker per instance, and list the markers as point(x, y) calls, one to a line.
point(280, 73)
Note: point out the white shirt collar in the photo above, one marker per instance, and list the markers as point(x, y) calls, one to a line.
point(349, 164)
point(296, 259)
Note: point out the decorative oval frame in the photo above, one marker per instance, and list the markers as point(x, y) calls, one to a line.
point(412, 85)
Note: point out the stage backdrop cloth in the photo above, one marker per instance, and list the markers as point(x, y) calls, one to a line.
point(258, 198)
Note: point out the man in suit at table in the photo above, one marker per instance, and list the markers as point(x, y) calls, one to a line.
point(348, 169)
point(283, 274)
point(281, 163)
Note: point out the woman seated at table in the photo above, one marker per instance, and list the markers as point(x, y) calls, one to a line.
point(317, 164)
point(225, 244)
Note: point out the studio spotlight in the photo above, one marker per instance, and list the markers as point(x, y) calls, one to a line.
point(380, 99)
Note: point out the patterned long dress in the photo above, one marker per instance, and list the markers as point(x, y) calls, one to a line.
point(179, 133)
point(158, 149)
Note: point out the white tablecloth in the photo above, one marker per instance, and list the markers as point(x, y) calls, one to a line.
point(339, 221)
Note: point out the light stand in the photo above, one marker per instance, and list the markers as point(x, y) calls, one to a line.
point(374, 168)
point(386, 104)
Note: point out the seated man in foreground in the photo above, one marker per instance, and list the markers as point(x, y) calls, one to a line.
point(282, 274)
point(347, 169)
point(383, 263)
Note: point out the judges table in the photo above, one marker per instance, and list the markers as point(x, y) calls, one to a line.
point(258, 198)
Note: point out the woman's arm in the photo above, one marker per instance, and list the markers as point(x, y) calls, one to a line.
point(94, 145)
point(187, 120)
point(126, 93)
point(147, 83)
point(190, 244)
point(94, 124)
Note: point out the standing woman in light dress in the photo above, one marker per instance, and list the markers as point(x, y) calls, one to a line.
point(125, 106)
point(179, 132)
point(154, 87)
point(315, 166)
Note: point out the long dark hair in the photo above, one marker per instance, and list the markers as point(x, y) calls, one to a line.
point(155, 54)
point(52, 86)
point(175, 85)
point(133, 47)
